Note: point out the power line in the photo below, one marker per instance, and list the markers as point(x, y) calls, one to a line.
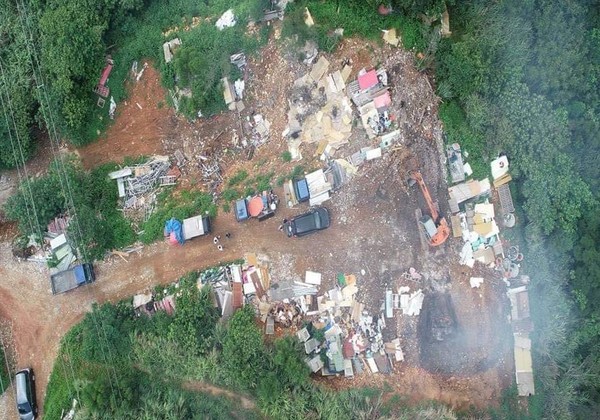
point(6, 362)
point(19, 155)
point(26, 183)
point(63, 177)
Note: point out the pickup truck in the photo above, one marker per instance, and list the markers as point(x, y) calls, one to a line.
point(73, 277)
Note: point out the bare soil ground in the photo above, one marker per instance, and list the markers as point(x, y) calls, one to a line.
point(374, 229)
point(141, 123)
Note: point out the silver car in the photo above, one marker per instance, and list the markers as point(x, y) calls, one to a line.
point(25, 385)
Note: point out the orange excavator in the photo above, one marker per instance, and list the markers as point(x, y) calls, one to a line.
point(436, 228)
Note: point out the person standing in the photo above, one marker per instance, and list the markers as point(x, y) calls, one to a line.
point(283, 224)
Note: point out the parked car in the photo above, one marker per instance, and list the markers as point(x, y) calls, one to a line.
point(309, 222)
point(25, 386)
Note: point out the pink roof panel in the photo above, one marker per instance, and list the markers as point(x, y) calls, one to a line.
point(383, 100)
point(367, 80)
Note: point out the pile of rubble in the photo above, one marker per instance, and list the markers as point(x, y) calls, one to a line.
point(137, 185)
point(320, 112)
point(476, 223)
point(339, 336)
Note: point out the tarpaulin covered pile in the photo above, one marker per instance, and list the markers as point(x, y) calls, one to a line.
point(173, 230)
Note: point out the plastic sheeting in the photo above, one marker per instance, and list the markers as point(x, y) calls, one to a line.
point(173, 226)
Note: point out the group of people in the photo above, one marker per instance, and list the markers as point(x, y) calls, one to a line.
point(217, 239)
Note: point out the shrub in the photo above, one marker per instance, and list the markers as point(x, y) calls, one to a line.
point(286, 156)
point(230, 194)
point(237, 178)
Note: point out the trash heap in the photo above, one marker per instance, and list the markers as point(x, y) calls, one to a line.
point(370, 94)
point(149, 304)
point(478, 228)
point(137, 185)
point(320, 112)
point(62, 252)
point(476, 223)
point(238, 284)
point(339, 336)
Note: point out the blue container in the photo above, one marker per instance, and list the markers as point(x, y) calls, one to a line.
point(241, 210)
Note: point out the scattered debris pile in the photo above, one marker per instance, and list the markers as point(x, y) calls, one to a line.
point(458, 169)
point(320, 112)
point(149, 304)
point(101, 89)
point(478, 228)
point(58, 225)
point(257, 129)
point(522, 327)
point(169, 49)
point(476, 223)
point(372, 98)
point(137, 185)
point(233, 93)
point(62, 252)
point(466, 191)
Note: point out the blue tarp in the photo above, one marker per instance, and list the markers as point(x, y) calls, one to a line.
point(174, 225)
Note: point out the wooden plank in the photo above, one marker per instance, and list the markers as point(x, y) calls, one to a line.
point(237, 295)
point(255, 278)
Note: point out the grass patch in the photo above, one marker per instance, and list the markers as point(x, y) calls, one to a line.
point(286, 156)
point(4, 374)
point(249, 191)
point(230, 194)
point(297, 171)
point(237, 178)
point(181, 206)
point(263, 181)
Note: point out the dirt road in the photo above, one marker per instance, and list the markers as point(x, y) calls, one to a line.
point(369, 233)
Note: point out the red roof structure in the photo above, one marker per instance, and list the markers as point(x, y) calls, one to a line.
point(367, 80)
point(105, 74)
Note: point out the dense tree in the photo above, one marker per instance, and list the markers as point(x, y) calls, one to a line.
point(16, 95)
point(243, 348)
point(195, 319)
point(535, 97)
